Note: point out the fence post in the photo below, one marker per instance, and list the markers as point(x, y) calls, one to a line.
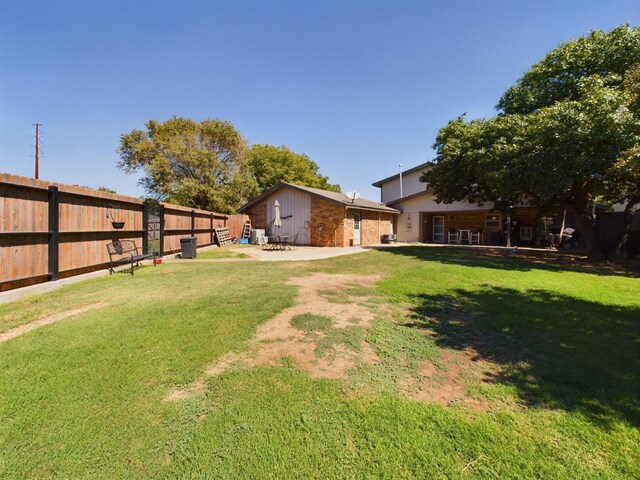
point(211, 228)
point(145, 228)
point(161, 246)
point(193, 223)
point(54, 225)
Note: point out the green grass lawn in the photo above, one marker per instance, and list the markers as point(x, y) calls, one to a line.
point(84, 397)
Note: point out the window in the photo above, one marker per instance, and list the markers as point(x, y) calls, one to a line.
point(493, 220)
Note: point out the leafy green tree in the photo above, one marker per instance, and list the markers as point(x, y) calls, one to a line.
point(270, 165)
point(567, 135)
point(195, 164)
point(100, 189)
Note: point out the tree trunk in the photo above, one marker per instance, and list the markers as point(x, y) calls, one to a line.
point(621, 228)
point(594, 248)
point(585, 217)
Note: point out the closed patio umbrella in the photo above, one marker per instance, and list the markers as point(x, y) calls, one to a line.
point(277, 221)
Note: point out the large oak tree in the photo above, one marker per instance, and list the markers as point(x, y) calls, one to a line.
point(567, 135)
point(207, 164)
point(195, 164)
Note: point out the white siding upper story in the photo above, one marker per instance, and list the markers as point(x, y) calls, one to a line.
point(410, 184)
point(407, 225)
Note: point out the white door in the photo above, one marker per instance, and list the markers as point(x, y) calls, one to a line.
point(438, 229)
point(356, 229)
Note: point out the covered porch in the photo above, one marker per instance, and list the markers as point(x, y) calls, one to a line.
point(489, 227)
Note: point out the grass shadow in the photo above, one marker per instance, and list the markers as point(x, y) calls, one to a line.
point(500, 259)
point(558, 351)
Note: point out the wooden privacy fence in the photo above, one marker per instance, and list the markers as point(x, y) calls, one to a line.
point(50, 230)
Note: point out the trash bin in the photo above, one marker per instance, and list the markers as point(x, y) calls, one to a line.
point(188, 246)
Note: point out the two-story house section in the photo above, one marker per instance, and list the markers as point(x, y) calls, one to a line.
point(425, 220)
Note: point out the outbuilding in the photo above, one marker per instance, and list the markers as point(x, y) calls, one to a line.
point(311, 216)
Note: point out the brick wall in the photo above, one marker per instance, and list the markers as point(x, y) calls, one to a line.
point(492, 235)
point(348, 228)
point(464, 221)
point(331, 216)
point(258, 215)
point(372, 226)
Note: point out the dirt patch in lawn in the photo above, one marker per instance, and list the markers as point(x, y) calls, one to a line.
point(279, 338)
point(176, 394)
point(445, 381)
point(325, 335)
point(56, 317)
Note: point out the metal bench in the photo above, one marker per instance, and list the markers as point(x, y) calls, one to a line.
point(121, 251)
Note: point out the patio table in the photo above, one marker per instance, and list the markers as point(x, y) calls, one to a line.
point(468, 236)
point(278, 242)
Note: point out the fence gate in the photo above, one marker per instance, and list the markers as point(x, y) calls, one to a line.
point(152, 225)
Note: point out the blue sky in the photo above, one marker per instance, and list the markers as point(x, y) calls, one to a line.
point(359, 86)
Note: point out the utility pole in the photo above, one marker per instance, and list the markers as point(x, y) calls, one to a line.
point(400, 168)
point(37, 125)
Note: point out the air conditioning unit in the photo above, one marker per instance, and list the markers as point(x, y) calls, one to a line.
point(258, 236)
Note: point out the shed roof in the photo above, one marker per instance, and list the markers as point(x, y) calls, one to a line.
point(334, 197)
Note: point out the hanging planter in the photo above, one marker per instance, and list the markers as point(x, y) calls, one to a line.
point(113, 213)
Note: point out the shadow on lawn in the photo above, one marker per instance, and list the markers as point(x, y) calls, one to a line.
point(500, 259)
point(559, 352)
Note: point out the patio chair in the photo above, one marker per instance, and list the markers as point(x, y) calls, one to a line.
point(293, 243)
point(476, 237)
point(453, 235)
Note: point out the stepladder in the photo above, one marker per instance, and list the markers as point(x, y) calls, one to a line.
point(246, 230)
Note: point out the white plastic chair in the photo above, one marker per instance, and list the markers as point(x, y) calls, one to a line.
point(476, 237)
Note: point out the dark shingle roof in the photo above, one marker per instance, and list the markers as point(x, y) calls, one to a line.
point(335, 197)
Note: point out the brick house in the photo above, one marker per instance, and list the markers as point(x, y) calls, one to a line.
point(321, 218)
point(422, 219)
